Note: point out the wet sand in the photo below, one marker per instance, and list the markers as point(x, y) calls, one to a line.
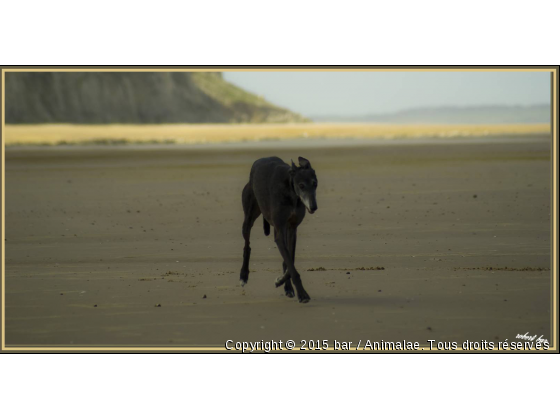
point(119, 245)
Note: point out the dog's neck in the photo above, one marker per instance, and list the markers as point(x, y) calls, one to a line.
point(293, 190)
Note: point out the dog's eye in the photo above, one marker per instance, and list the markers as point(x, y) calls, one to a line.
point(301, 186)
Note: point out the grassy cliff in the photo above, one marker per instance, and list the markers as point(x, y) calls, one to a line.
point(135, 97)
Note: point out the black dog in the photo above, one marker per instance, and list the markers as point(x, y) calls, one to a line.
point(281, 193)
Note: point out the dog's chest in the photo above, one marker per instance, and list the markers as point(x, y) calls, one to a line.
point(296, 215)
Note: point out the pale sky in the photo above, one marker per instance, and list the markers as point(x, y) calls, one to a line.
point(359, 93)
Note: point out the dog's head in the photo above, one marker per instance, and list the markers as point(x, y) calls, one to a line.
point(304, 181)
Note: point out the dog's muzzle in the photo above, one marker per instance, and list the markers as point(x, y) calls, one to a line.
point(311, 206)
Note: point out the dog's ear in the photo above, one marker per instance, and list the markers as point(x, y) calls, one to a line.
point(304, 163)
point(293, 169)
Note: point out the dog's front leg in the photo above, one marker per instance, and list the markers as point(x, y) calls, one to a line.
point(280, 280)
point(281, 241)
point(286, 279)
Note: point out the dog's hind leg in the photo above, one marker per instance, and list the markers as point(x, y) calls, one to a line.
point(252, 211)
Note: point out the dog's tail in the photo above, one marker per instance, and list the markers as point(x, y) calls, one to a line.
point(266, 226)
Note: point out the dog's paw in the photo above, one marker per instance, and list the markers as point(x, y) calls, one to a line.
point(303, 297)
point(280, 281)
point(289, 290)
point(242, 282)
point(290, 293)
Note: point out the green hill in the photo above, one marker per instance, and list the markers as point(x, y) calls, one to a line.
point(135, 97)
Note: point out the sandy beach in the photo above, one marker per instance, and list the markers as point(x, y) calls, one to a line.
point(141, 245)
point(220, 134)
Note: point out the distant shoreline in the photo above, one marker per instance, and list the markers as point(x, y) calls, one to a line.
point(220, 134)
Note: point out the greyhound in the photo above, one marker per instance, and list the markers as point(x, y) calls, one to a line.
point(281, 193)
